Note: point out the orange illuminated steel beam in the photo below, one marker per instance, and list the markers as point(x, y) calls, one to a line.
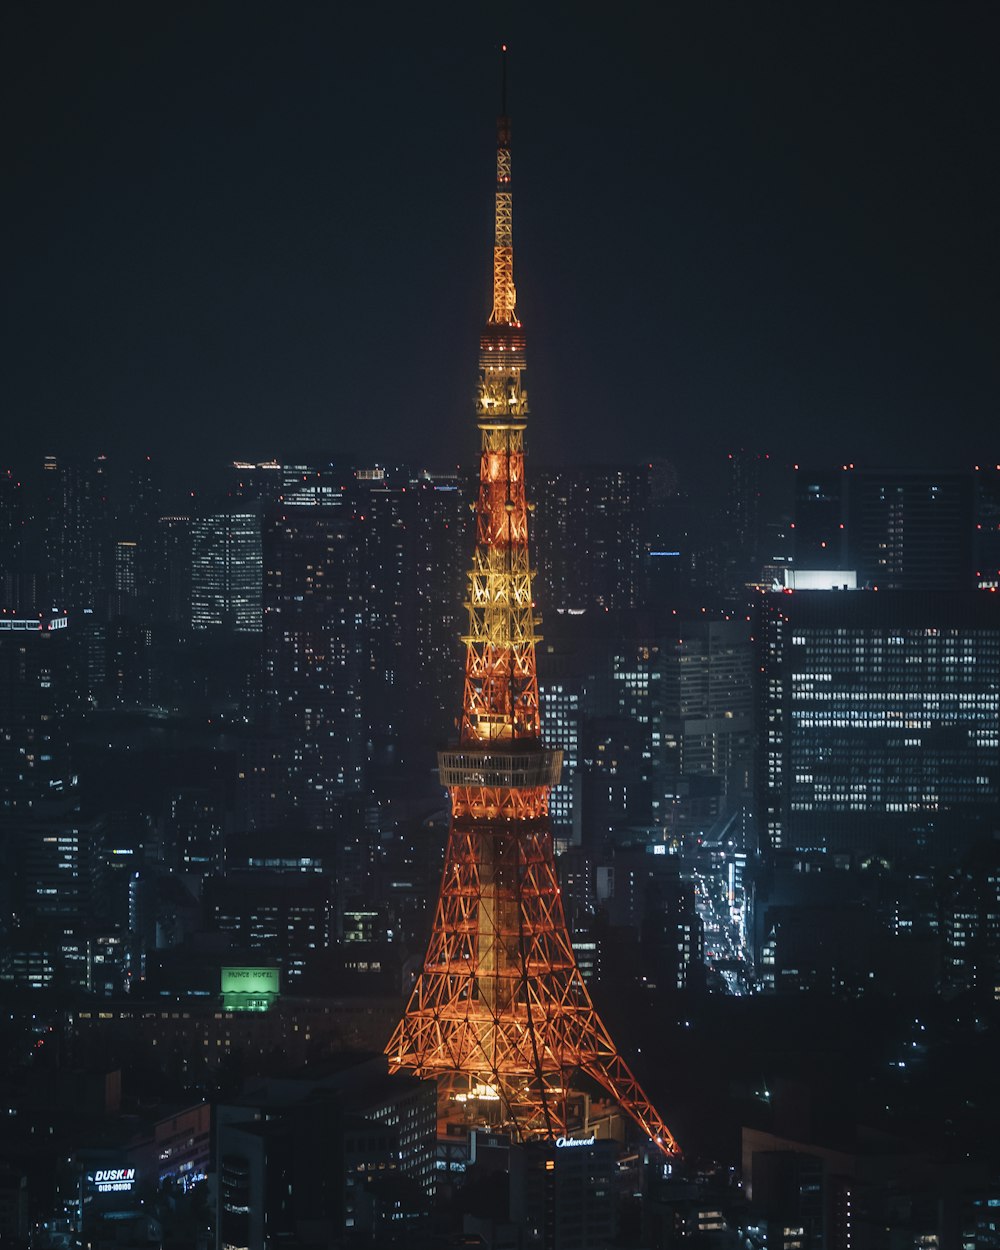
point(500, 1016)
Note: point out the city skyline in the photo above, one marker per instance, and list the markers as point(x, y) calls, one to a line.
point(226, 229)
point(367, 887)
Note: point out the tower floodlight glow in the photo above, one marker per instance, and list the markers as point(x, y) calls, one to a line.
point(500, 1015)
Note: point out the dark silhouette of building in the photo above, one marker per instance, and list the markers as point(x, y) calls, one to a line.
point(36, 694)
point(75, 513)
point(898, 530)
point(348, 1155)
point(589, 535)
point(314, 650)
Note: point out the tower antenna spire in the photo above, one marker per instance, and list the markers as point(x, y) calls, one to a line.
point(504, 294)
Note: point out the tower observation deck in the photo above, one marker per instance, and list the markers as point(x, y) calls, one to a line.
point(500, 1016)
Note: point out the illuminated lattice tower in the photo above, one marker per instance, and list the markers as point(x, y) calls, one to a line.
point(500, 1016)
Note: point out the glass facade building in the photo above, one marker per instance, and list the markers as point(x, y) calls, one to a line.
point(879, 719)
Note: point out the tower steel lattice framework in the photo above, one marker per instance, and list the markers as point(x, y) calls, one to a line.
point(500, 1016)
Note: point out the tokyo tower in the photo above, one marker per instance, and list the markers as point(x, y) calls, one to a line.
point(500, 1016)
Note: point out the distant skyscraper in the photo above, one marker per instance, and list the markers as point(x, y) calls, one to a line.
point(60, 867)
point(135, 541)
point(17, 593)
point(898, 530)
point(589, 527)
point(384, 533)
point(704, 736)
point(127, 675)
point(316, 481)
point(656, 710)
point(313, 657)
point(987, 522)
point(173, 569)
point(743, 506)
point(913, 531)
point(36, 691)
point(821, 519)
point(76, 514)
point(287, 916)
point(226, 570)
point(669, 528)
point(441, 522)
point(255, 483)
point(672, 935)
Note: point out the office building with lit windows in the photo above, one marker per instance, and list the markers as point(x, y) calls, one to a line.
point(561, 708)
point(654, 713)
point(313, 659)
point(226, 570)
point(879, 720)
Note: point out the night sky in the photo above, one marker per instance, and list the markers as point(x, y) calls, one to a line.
point(238, 230)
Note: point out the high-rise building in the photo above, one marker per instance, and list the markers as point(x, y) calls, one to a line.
point(75, 510)
point(898, 530)
point(60, 866)
point(987, 522)
point(135, 553)
point(821, 519)
point(441, 523)
point(672, 935)
point(36, 693)
point(562, 701)
point(878, 720)
point(127, 667)
point(226, 570)
point(657, 710)
point(251, 483)
point(314, 658)
point(17, 587)
point(286, 916)
point(173, 569)
point(704, 735)
point(743, 509)
point(912, 531)
point(320, 480)
point(383, 514)
point(589, 536)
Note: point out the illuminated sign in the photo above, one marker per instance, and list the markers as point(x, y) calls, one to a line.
point(249, 989)
point(250, 980)
point(113, 1180)
point(563, 1142)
